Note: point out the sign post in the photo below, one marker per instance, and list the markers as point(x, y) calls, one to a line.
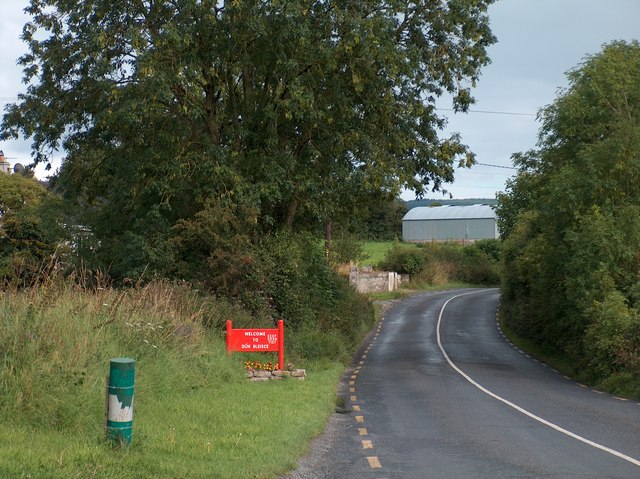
point(257, 340)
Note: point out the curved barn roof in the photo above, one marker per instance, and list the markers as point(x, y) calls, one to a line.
point(449, 212)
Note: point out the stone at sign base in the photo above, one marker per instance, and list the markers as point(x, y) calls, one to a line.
point(259, 375)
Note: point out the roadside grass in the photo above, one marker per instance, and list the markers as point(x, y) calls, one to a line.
point(195, 413)
point(389, 295)
point(243, 429)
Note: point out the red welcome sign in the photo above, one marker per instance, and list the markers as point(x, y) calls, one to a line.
point(257, 340)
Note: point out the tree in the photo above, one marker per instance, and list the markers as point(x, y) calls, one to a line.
point(571, 217)
point(296, 107)
point(30, 233)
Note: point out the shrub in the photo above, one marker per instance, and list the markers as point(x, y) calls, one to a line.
point(404, 260)
point(347, 249)
point(30, 234)
point(477, 267)
point(311, 298)
point(612, 341)
point(439, 263)
point(492, 248)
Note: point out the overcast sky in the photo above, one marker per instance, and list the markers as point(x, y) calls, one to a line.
point(538, 42)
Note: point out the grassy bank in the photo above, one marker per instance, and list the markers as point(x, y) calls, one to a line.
point(195, 416)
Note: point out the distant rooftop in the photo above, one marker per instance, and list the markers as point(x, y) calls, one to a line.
point(449, 212)
point(453, 202)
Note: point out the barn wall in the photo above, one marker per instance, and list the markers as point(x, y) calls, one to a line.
point(453, 229)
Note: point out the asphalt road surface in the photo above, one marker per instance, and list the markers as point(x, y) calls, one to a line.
point(438, 392)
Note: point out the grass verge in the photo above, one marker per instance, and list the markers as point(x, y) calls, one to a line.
point(242, 429)
point(195, 413)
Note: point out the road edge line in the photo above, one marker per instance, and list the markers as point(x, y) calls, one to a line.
point(521, 410)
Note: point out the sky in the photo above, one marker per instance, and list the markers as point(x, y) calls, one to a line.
point(538, 42)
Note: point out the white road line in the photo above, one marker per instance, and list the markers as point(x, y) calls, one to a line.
point(573, 435)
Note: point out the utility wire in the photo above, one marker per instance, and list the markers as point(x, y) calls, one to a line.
point(490, 112)
point(486, 112)
point(497, 166)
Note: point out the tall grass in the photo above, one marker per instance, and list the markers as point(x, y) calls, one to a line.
point(195, 413)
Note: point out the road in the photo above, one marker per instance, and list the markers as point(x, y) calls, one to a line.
point(439, 392)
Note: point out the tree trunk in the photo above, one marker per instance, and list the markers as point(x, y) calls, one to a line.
point(291, 213)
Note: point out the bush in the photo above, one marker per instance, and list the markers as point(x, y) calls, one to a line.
point(477, 267)
point(304, 290)
point(31, 238)
point(612, 341)
point(347, 249)
point(492, 248)
point(404, 260)
point(440, 263)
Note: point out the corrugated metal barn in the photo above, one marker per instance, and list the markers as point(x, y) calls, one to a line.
point(449, 223)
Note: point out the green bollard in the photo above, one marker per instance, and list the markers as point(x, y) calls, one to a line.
point(120, 401)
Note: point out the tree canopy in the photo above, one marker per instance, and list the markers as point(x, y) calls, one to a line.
point(290, 109)
point(571, 218)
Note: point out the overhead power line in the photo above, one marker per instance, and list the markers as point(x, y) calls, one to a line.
point(9, 99)
point(491, 112)
point(497, 166)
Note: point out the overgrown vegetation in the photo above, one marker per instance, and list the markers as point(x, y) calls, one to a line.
point(571, 223)
point(31, 233)
point(442, 263)
point(196, 415)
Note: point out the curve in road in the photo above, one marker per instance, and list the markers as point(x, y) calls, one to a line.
point(573, 435)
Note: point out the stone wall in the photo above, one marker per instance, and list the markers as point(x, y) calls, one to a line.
point(368, 281)
point(259, 375)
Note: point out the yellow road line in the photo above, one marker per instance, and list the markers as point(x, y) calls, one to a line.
point(374, 462)
point(367, 445)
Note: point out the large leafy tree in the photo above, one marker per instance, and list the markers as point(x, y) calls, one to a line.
point(571, 218)
point(292, 108)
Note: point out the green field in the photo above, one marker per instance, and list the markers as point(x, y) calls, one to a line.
point(375, 251)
